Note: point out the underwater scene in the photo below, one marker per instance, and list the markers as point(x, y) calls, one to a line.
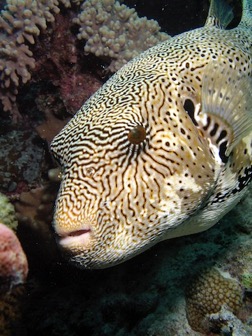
point(125, 168)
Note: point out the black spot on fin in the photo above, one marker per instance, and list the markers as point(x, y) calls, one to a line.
point(220, 14)
point(226, 96)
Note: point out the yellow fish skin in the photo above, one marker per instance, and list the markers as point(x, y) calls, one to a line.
point(163, 149)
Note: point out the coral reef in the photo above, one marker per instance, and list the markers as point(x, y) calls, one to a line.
point(61, 61)
point(115, 31)
point(20, 23)
point(208, 294)
point(247, 280)
point(111, 30)
point(25, 152)
point(7, 213)
point(228, 324)
point(13, 262)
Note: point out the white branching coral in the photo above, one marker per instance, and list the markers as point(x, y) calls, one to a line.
point(20, 22)
point(110, 29)
point(115, 31)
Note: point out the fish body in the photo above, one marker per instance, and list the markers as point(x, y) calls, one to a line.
point(163, 149)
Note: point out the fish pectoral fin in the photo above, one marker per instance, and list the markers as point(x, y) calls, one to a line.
point(220, 14)
point(246, 19)
point(227, 97)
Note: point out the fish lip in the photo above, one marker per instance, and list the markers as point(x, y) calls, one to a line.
point(80, 237)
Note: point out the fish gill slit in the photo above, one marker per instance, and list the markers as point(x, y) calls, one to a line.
point(190, 109)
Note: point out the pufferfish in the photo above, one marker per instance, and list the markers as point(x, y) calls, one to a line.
point(163, 149)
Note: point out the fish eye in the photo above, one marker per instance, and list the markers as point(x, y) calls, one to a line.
point(137, 135)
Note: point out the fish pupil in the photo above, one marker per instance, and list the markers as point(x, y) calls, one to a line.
point(137, 135)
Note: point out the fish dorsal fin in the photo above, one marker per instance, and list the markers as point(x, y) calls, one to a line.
point(246, 19)
point(227, 98)
point(220, 14)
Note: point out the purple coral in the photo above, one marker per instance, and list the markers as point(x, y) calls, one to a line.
point(13, 262)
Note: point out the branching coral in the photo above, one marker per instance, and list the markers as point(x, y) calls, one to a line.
point(109, 28)
point(20, 22)
point(115, 31)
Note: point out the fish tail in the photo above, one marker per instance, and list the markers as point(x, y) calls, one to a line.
point(246, 20)
point(220, 14)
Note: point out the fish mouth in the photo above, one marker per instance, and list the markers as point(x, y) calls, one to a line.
point(80, 237)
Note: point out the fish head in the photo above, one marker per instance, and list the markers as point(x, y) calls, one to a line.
point(135, 166)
